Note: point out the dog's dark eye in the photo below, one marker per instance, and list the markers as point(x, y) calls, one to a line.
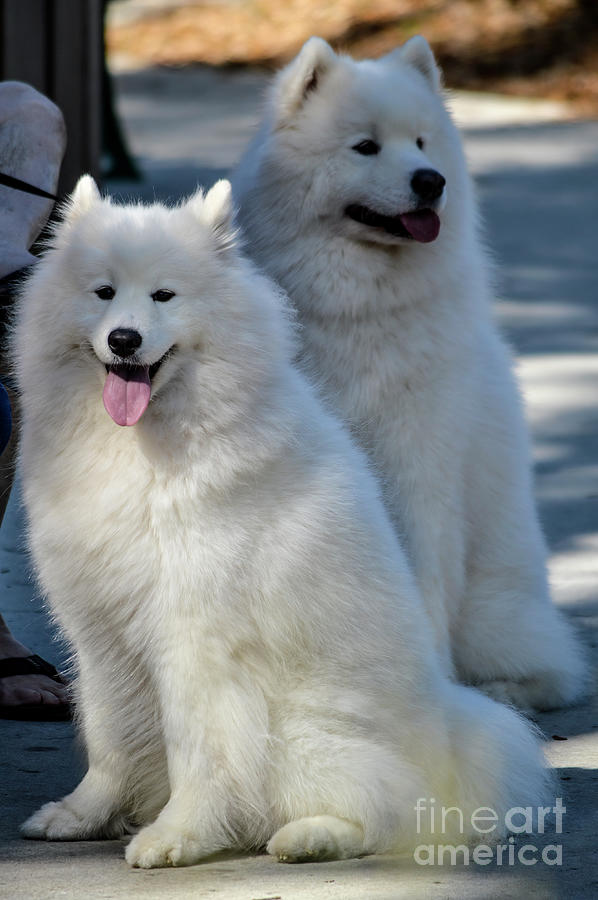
point(162, 296)
point(367, 148)
point(106, 292)
point(420, 143)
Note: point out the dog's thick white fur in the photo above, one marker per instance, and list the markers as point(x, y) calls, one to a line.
point(400, 335)
point(253, 662)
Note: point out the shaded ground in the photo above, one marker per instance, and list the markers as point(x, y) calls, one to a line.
point(537, 189)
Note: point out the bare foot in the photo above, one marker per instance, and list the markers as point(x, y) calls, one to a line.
point(31, 689)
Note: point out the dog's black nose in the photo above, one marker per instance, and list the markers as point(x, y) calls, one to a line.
point(428, 184)
point(124, 341)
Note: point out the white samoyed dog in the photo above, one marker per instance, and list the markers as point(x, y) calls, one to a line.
point(355, 197)
point(253, 663)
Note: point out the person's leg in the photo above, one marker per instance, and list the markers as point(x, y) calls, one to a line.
point(24, 686)
point(32, 144)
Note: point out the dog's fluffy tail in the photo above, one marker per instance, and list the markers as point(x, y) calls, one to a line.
point(495, 764)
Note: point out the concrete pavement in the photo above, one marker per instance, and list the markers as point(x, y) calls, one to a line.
point(538, 183)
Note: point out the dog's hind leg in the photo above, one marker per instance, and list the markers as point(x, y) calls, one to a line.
point(317, 838)
point(339, 785)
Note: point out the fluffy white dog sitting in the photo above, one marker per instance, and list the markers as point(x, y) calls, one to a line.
point(254, 665)
point(355, 197)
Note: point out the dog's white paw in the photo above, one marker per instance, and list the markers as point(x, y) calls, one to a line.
point(316, 839)
point(59, 822)
point(160, 845)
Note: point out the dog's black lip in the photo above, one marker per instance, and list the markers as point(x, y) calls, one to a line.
point(133, 365)
point(366, 216)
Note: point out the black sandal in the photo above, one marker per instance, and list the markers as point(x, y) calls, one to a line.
point(33, 712)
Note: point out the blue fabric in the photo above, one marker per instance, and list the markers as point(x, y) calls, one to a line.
point(5, 419)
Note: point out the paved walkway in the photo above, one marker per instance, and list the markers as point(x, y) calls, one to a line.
point(538, 184)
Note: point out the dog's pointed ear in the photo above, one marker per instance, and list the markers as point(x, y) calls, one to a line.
point(302, 77)
point(417, 52)
point(218, 206)
point(216, 210)
point(84, 196)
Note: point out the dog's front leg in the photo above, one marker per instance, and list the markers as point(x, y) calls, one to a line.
point(215, 726)
point(95, 808)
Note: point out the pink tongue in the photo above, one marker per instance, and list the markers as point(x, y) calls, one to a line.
point(422, 225)
point(127, 392)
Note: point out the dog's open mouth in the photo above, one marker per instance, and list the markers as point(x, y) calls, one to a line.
point(128, 390)
point(421, 225)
